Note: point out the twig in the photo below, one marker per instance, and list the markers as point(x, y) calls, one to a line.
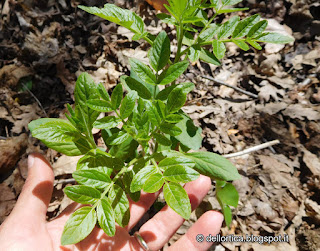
point(252, 149)
point(2, 137)
point(66, 181)
point(35, 99)
point(230, 86)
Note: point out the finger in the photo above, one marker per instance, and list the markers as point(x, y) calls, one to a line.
point(138, 209)
point(209, 223)
point(36, 193)
point(158, 230)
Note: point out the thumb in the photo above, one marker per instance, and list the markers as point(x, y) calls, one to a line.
point(36, 193)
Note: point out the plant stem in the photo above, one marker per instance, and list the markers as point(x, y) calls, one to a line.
point(179, 37)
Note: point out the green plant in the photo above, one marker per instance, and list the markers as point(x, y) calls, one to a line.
point(147, 135)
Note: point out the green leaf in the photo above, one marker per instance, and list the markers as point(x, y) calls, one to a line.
point(188, 39)
point(209, 33)
point(128, 104)
point(274, 38)
point(244, 26)
point(257, 29)
point(116, 96)
point(120, 16)
point(126, 182)
point(85, 89)
point(120, 204)
point(117, 138)
point(214, 165)
point(107, 122)
point(140, 178)
point(230, 10)
point(219, 49)
point(254, 44)
point(209, 57)
point(173, 72)
point(194, 53)
point(191, 135)
point(106, 217)
point(159, 54)
point(161, 139)
point(175, 161)
point(180, 173)
point(228, 195)
point(177, 198)
point(227, 214)
point(166, 18)
point(170, 129)
point(92, 178)
point(228, 27)
point(176, 99)
point(142, 71)
point(153, 183)
point(99, 105)
point(59, 135)
point(82, 194)
point(173, 118)
point(241, 44)
point(216, 4)
point(163, 94)
point(79, 226)
point(97, 159)
point(230, 2)
point(135, 85)
point(103, 92)
point(178, 7)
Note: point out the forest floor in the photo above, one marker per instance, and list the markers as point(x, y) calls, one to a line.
point(45, 45)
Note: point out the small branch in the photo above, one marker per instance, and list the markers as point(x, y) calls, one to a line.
point(230, 86)
point(252, 149)
point(35, 99)
point(66, 181)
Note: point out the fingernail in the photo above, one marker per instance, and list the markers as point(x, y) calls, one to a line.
point(30, 160)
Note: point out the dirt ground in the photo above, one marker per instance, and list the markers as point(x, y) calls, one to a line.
point(45, 45)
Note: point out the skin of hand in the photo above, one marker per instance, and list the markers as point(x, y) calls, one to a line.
point(26, 227)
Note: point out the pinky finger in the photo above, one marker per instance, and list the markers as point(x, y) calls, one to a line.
point(195, 238)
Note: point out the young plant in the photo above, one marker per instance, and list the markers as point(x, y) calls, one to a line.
point(146, 134)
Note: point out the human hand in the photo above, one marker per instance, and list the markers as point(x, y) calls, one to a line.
point(26, 227)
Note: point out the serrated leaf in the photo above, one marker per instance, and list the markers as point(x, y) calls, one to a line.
point(152, 113)
point(116, 96)
point(140, 178)
point(241, 44)
point(228, 195)
point(176, 99)
point(209, 33)
point(103, 92)
point(135, 85)
point(60, 135)
point(244, 26)
point(170, 129)
point(180, 173)
point(254, 44)
point(257, 29)
point(173, 72)
point(173, 118)
point(194, 53)
point(79, 226)
point(216, 4)
point(214, 165)
point(191, 135)
point(153, 183)
point(142, 71)
point(275, 38)
point(228, 27)
point(107, 122)
point(99, 105)
point(159, 53)
point(177, 198)
point(117, 138)
point(164, 93)
point(219, 49)
point(85, 89)
point(96, 158)
point(161, 139)
point(178, 7)
point(230, 2)
point(209, 57)
point(230, 10)
point(128, 104)
point(120, 16)
point(82, 194)
point(174, 161)
point(166, 18)
point(106, 219)
point(92, 178)
point(188, 39)
point(120, 204)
